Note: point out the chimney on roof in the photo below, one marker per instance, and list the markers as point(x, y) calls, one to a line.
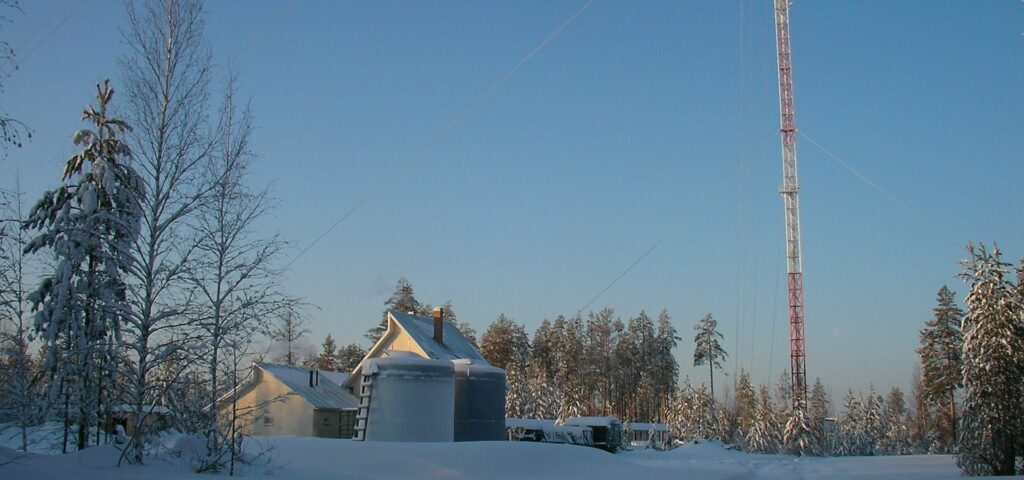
point(439, 325)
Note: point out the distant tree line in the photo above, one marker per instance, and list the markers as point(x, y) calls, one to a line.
point(598, 366)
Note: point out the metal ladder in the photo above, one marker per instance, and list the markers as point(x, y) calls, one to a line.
point(365, 392)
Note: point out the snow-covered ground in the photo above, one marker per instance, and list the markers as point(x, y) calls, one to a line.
point(317, 458)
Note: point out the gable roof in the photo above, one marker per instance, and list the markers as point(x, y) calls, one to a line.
point(421, 330)
point(327, 394)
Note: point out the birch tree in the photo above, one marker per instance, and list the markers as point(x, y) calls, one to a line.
point(288, 332)
point(167, 75)
point(20, 405)
point(233, 271)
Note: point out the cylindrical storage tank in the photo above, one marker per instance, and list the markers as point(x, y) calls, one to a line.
point(479, 402)
point(412, 399)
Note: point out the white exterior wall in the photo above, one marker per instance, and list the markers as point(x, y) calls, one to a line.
point(291, 414)
point(405, 343)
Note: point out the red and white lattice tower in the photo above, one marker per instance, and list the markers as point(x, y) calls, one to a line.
point(789, 190)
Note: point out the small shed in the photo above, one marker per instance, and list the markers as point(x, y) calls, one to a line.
point(644, 434)
point(155, 418)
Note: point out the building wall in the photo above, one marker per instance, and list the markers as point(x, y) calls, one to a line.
point(405, 343)
point(284, 414)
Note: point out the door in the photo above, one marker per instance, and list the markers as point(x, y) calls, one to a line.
point(327, 423)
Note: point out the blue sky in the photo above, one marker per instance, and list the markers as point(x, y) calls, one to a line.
point(639, 119)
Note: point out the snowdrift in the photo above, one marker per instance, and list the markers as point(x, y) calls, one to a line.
point(321, 458)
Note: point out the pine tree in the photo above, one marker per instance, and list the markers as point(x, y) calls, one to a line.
point(467, 330)
point(404, 301)
point(328, 358)
point(992, 371)
point(896, 435)
point(349, 356)
point(641, 355)
point(764, 435)
point(942, 360)
point(854, 437)
point(542, 355)
point(599, 360)
point(921, 435)
point(681, 421)
point(745, 408)
point(817, 413)
point(571, 370)
point(708, 417)
point(873, 427)
point(505, 343)
point(518, 398)
point(547, 401)
point(89, 221)
point(798, 436)
point(708, 350)
point(665, 368)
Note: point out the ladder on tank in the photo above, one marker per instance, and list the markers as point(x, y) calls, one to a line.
point(365, 392)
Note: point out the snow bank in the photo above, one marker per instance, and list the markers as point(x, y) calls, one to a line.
point(321, 458)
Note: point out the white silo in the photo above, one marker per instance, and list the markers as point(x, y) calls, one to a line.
point(412, 399)
point(479, 401)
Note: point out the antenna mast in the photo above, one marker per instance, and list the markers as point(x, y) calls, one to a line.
point(789, 190)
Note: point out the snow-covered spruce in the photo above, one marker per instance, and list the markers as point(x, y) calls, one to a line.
point(993, 368)
point(89, 222)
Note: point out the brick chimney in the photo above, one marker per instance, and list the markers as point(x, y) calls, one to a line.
point(439, 325)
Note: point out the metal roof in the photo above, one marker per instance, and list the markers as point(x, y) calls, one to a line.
point(421, 329)
point(326, 394)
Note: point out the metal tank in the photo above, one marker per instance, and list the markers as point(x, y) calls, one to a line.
point(412, 399)
point(479, 401)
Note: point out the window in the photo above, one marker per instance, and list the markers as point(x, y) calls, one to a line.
point(268, 420)
point(347, 423)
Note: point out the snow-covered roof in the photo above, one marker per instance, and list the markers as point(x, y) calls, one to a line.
point(646, 427)
point(421, 329)
point(591, 421)
point(326, 394)
point(529, 423)
point(337, 378)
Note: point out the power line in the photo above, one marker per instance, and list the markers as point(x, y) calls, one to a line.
point(49, 17)
point(859, 175)
point(739, 210)
point(440, 133)
point(653, 246)
point(45, 38)
point(256, 36)
point(885, 193)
